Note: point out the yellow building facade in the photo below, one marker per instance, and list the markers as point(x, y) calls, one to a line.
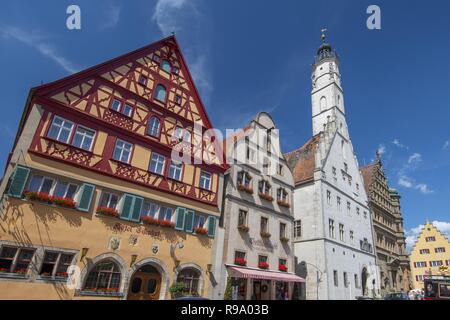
point(430, 255)
point(112, 189)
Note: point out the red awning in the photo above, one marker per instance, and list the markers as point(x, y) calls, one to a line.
point(246, 273)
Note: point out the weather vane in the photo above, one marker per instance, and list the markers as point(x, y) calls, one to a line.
point(323, 34)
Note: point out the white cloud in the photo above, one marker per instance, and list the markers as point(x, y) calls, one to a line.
point(381, 149)
point(414, 160)
point(413, 233)
point(397, 143)
point(38, 42)
point(409, 183)
point(113, 17)
point(183, 17)
point(405, 181)
point(446, 145)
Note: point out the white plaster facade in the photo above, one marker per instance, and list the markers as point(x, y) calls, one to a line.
point(336, 240)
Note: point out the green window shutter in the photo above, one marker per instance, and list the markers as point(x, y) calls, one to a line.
point(180, 219)
point(127, 207)
point(136, 214)
point(18, 182)
point(85, 198)
point(211, 226)
point(189, 221)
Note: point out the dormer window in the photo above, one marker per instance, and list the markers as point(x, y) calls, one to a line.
point(264, 187)
point(165, 65)
point(142, 80)
point(122, 108)
point(156, 58)
point(178, 99)
point(161, 93)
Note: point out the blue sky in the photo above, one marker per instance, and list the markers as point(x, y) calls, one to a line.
point(250, 56)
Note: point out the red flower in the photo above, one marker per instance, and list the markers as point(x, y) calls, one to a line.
point(200, 230)
point(46, 198)
point(244, 188)
point(240, 261)
point(108, 212)
point(263, 265)
point(283, 204)
point(266, 196)
point(4, 270)
point(283, 268)
point(149, 220)
point(21, 271)
point(166, 223)
point(62, 274)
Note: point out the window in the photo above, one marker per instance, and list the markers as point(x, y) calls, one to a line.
point(336, 278)
point(55, 264)
point(154, 127)
point(41, 184)
point(439, 250)
point(175, 70)
point(109, 200)
point(262, 259)
point(334, 171)
point(125, 109)
point(283, 230)
point(165, 214)
point(175, 170)
point(365, 214)
point(150, 209)
point(264, 225)
point(156, 58)
point(60, 130)
point(282, 195)
point(199, 221)
point(245, 179)
point(437, 263)
point(280, 170)
point(357, 187)
point(160, 93)
point(341, 232)
point(298, 229)
point(239, 255)
point(424, 251)
point(65, 190)
point(122, 151)
point(157, 164)
point(242, 218)
point(447, 262)
point(339, 203)
point(15, 260)
point(282, 262)
point(205, 180)
point(182, 134)
point(105, 275)
point(264, 187)
point(331, 228)
point(250, 154)
point(345, 280)
point(349, 208)
point(266, 166)
point(178, 99)
point(142, 80)
point(165, 65)
point(356, 281)
point(421, 264)
point(83, 138)
point(430, 239)
point(357, 211)
point(419, 278)
point(329, 197)
point(190, 278)
point(352, 237)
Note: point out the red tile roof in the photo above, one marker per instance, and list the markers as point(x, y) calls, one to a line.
point(367, 173)
point(302, 161)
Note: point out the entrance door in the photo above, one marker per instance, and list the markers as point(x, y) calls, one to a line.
point(256, 290)
point(144, 286)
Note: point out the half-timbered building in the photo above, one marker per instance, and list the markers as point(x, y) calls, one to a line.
point(112, 185)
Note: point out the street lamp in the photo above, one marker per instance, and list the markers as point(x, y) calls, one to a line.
point(319, 275)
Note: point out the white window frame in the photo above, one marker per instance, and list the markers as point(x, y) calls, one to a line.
point(208, 179)
point(157, 160)
point(110, 196)
point(44, 178)
point(123, 150)
point(177, 170)
point(84, 137)
point(60, 129)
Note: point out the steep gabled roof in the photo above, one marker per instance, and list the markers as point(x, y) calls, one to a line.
point(368, 173)
point(302, 161)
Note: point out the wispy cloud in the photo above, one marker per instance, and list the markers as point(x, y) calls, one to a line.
point(413, 233)
point(38, 42)
point(404, 179)
point(183, 17)
point(446, 145)
point(381, 149)
point(113, 16)
point(397, 143)
point(414, 160)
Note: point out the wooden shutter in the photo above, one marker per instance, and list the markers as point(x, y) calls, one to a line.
point(136, 213)
point(180, 219)
point(189, 221)
point(18, 182)
point(211, 226)
point(85, 198)
point(127, 207)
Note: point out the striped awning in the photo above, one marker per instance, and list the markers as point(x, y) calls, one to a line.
point(236, 272)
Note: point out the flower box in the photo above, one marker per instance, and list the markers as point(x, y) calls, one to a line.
point(64, 202)
point(48, 199)
point(266, 196)
point(150, 221)
point(244, 188)
point(201, 231)
point(46, 274)
point(240, 262)
point(283, 204)
point(4, 270)
point(166, 224)
point(62, 275)
point(244, 228)
point(284, 239)
point(265, 235)
point(21, 271)
point(102, 290)
point(263, 265)
point(108, 212)
point(283, 268)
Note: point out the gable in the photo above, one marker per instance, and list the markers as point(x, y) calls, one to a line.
point(302, 161)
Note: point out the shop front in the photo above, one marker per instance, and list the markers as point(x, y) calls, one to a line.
point(254, 284)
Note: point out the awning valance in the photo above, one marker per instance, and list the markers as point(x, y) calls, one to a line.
point(246, 273)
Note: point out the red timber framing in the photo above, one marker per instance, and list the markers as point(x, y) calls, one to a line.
point(85, 98)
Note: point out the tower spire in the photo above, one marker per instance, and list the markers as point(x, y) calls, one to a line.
point(324, 36)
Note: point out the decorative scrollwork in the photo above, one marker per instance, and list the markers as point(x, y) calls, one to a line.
point(69, 153)
point(118, 119)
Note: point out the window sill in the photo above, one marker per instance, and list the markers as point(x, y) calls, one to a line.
point(99, 294)
point(120, 162)
point(16, 276)
point(51, 279)
point(50, 205)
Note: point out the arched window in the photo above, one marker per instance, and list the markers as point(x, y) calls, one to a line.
point(165, 65)
point(154, 127)
point(161, 93)
point(104, 276)
point(323, 104)
point(190, 277)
